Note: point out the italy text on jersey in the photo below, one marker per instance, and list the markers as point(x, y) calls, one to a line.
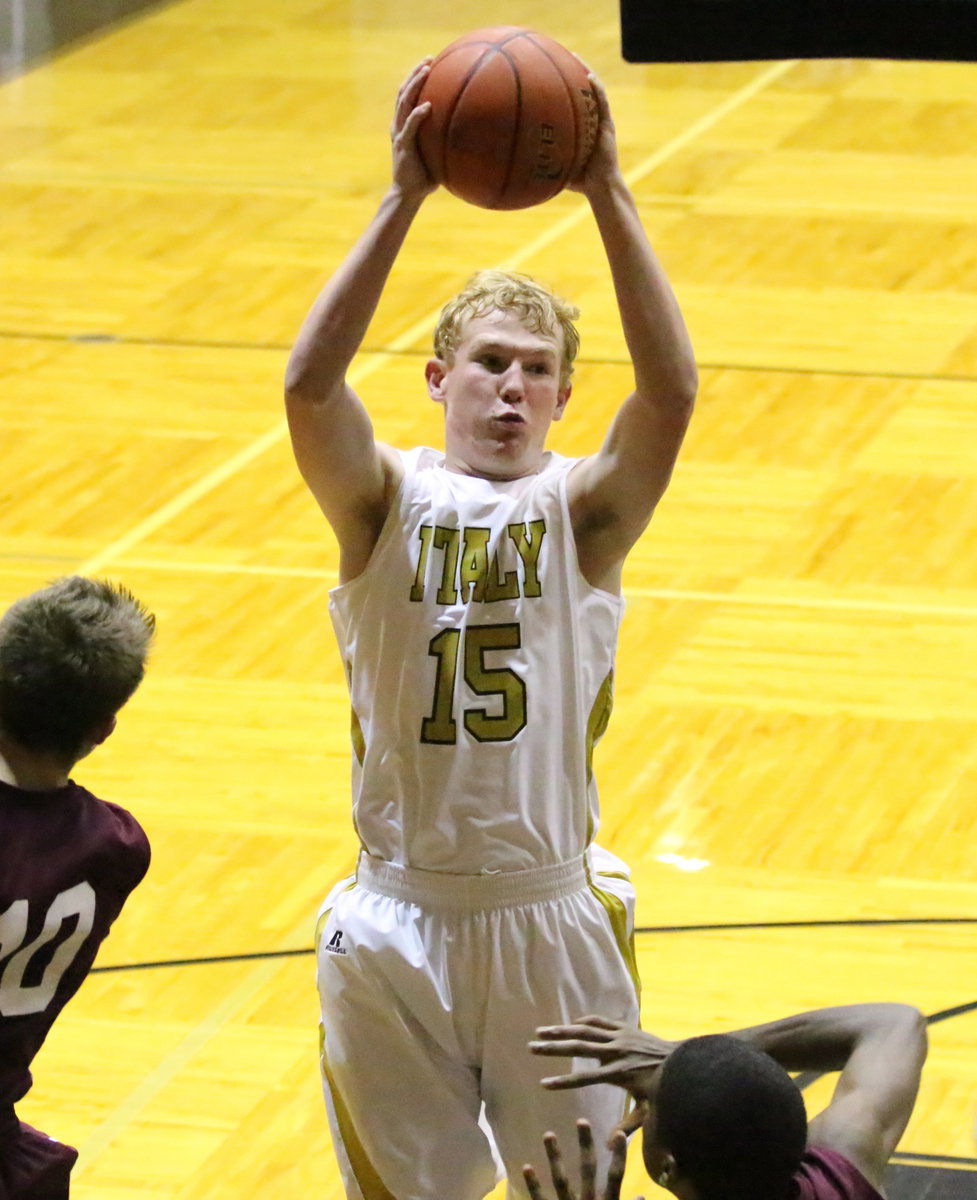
point(470, 573)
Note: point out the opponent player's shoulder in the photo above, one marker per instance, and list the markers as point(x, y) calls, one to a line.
point(113, 840)
point(827, 1174)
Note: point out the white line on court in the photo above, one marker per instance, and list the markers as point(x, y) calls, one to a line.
point(812, 602)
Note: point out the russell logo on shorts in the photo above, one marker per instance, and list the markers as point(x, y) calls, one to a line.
point(335, 943)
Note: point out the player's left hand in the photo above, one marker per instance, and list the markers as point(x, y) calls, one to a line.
point(603, 161)
point(588, 1168)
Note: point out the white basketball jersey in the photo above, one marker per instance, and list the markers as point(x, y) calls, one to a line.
point(480, 667)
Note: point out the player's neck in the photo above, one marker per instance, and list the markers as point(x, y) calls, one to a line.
point(495, 472)
point(30, 772)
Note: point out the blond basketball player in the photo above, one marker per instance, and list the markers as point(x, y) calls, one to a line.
point(477, 616)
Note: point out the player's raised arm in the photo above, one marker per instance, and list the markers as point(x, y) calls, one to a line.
point(879, 1050)
point(352, 476)
point(614, 492)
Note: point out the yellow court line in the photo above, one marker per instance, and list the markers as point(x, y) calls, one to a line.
point(422, 327)
point(143, 1094)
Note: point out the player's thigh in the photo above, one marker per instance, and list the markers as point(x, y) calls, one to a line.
point(400, 1087)
point(562, 962)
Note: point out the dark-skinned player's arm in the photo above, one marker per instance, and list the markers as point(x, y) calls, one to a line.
point(351, 475)
point(613, 493)
point(878, 1048)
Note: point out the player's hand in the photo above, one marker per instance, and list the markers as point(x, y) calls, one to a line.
point(603, 161)
point(409, 172)
point(628, 1056)
point(588, 1168)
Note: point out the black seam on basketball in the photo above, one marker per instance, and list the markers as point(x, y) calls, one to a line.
point(472, 72)
point(514, 37)
point(514, 140)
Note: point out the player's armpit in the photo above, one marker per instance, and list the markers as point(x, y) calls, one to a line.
point(613, 494)
point(352, 477)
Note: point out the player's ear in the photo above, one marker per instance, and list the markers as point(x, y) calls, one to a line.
point(562, 397)
point(435, 373)
point(103, 731)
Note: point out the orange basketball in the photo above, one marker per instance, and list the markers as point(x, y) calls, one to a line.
point(513, 117)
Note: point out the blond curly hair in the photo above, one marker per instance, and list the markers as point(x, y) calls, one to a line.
point(537, 307)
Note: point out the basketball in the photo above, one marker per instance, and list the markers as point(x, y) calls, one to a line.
point(513, 117)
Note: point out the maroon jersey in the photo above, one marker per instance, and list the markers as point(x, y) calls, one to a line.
point(827, 1175)
point(67, 863)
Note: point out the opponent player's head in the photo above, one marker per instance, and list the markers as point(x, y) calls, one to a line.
point(725, 1123)
point(539, 309)
point(71, 655)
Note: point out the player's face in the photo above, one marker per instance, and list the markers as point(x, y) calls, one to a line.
point(500, 394)
point(657, 1157)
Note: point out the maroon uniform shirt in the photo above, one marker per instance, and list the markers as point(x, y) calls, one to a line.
point(827, 1175)
point(67, 863)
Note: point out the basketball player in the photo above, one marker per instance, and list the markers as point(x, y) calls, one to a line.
point(722, 1119)
point(70, 656)
point(477, 616)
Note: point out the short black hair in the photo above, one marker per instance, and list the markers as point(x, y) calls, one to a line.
point(71, 655)
point(732, 1118)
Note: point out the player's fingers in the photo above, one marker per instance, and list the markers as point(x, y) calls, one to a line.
point(579, 1079)
point(409, 89)
point(588, 1161)
point(557, 1170)
point(598, 1022)
point(567, 1045)
point(615, 1172)
point(532, 1183)
point(582, 1027)
point(630, 1123)
point(603, 103)
point(413, 120)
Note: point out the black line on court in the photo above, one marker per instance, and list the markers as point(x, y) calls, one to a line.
point(945, 1159)
point(843, 922)
point(96, 338)
point(938, 1175)
point(201, 962)
point(856, 922)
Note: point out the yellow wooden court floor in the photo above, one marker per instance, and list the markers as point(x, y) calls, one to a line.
point(791, 768)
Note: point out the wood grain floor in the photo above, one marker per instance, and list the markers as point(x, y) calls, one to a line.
point(794, 744)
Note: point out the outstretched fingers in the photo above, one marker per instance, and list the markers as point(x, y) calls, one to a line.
point(615, 1172)
point(557, 1170)
point(410, 89)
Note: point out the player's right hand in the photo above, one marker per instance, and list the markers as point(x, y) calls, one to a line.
point(628, 1056)
point(588, 1168)
point(409, 171)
